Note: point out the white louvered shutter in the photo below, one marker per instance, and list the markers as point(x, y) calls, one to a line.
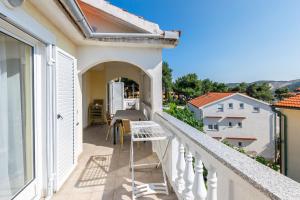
point(65, 116)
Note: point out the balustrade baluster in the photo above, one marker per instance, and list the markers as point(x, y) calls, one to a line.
point(199, 189)
point(212, 184)
point(180, 169)
point(188, 176)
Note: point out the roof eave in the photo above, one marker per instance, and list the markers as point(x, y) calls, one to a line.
point(166, 39)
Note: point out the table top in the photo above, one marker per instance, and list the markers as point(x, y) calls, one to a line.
point(147, 131)
point(132, 115)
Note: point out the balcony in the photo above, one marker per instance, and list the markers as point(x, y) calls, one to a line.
point(103, 169)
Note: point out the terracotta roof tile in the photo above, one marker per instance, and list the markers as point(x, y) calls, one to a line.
point(292, 102)
point(209, 98)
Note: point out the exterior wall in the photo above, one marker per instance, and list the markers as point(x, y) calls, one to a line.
point(96, 79)
point(149, 60)
point(254, 125)
point(62, 41)
point(34, 23)
point(293, 143)
point(197, 112)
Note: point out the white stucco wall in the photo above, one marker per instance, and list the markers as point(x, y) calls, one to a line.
point(148, 60)
point(259, 125)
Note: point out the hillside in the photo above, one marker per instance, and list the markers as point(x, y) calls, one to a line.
point(292, 84)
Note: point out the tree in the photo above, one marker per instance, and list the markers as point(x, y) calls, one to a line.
point(167, 84)
point(207, 86)
point(219, 87)
point(260, 91)
point(282, 93)
point(241, 88)
point(188, 85)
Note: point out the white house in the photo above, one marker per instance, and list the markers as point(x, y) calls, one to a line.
point(56, 57)
point(239, 119)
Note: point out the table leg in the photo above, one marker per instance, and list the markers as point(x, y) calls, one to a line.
point(115, 133)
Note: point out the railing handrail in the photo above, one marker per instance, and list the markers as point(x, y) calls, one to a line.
point(271, 183)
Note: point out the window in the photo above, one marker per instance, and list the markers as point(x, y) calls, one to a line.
point(221, 107)
point(241, 106)
point(216, 127)
point(230, 105)
point(240, 124)
point(256, 109)
point(16, 143)
point(210, 127)
point(230, 124)
point(240, 144)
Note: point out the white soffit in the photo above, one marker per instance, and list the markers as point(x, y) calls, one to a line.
point(125, 16)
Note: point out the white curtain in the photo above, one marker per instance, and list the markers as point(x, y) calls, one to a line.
point(12, 131)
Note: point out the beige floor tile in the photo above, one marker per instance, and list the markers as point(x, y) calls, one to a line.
point(103, 170)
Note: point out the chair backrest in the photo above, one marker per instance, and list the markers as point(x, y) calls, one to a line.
point(126, 125)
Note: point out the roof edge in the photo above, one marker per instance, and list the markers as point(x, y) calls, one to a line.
point(168, 39)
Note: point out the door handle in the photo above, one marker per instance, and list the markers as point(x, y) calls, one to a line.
point(59, 116)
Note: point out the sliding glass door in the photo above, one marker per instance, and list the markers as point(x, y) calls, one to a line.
point(16, 116)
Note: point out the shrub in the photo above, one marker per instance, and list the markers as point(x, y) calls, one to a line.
point(184, 115)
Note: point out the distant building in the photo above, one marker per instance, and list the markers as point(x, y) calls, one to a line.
point(289, 112)
point(239, 119)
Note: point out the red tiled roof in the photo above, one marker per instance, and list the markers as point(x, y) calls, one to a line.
point(209, 98)
point(292, 102)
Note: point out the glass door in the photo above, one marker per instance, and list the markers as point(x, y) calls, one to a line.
point(16, 116)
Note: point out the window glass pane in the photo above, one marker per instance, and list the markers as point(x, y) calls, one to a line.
point(16, 135)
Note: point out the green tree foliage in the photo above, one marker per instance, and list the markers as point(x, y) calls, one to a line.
point(188, 85)
point(241, 88)
point(184, 115)
point(282, 93)
point(260, 91)
point(207, 86)
point(167, 79)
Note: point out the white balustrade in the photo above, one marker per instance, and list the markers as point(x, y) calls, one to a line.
point(212, 183)
point(241, 177)
point(188, 176)
point(199, 189)
point(180, 169)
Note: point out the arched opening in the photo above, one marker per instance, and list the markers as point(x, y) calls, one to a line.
point(112, 86)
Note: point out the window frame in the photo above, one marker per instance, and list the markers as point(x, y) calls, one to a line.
point(230, 105)
point(242, 106)
point(256, 109)
point(221, 107)
point(240, 124)
point(230, 124)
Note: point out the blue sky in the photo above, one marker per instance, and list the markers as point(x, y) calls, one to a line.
point(228, 40)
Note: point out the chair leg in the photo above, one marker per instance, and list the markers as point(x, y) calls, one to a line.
point(108, 132)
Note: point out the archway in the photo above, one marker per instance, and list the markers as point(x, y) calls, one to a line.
point(95, 87)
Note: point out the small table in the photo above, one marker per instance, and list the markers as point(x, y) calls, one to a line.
point(147, 131)
point(132, 115)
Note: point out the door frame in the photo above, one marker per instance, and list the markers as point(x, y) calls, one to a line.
point(58, 185)
point(33, 190)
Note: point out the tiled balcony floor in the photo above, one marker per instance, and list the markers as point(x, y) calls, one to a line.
point(103, 170)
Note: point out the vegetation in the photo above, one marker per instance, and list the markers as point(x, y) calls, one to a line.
point(184, 115)
point(282, 93)
point(260, 91)
point(259, 159)
point(188, 85)
point(167, 84)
